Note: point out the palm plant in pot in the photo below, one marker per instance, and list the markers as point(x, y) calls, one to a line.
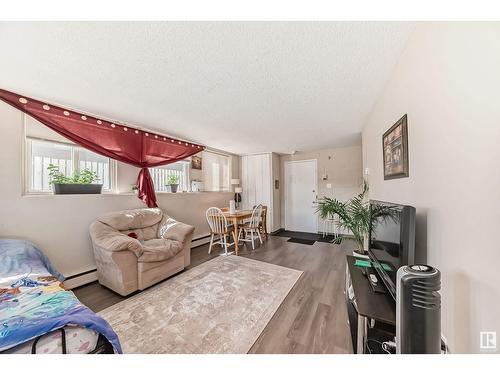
point(355, 216)
point(173, 182)
point(81, 182)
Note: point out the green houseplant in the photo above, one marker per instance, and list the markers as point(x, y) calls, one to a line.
point(82, 182)
point(173, 182)
point(355, 216)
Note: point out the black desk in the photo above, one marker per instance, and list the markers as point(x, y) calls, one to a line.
point(368, 304)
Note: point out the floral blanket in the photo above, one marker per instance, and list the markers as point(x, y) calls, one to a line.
point(33, 300)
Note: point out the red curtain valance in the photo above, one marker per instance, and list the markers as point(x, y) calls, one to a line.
point(114, 140)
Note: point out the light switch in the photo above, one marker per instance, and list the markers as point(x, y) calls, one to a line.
point(367, 171)
point(328, 186)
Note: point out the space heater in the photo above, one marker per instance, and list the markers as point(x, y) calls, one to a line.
point(418, 310)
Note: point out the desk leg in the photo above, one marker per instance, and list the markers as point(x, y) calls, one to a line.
point(235, 236)
point(360, 347)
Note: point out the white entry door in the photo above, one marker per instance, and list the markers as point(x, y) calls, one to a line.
point(300, 196)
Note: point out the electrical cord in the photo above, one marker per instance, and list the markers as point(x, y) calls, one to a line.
point(388, 345)
point(383, 345)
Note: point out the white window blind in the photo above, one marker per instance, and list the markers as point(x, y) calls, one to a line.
point(216, 171)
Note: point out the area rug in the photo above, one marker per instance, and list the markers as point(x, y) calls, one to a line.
point(220, 306)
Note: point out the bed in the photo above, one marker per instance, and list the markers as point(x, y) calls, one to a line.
point(38, 315)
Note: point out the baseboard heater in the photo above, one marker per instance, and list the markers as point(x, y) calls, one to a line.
point(90, 276)
point(80, 279)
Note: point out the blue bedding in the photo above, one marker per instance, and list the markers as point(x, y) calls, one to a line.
point(33, 300)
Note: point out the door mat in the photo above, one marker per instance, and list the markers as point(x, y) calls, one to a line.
point(302, 241)
point(301, 235)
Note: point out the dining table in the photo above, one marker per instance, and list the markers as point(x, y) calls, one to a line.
point(236, 218)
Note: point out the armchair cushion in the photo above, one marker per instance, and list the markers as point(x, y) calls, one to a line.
point(174, 230)
point(109, 239)
point(145, 234)
point(132, 219)
point(159, 249)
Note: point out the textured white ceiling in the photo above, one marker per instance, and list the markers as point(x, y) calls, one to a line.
point(243, 87)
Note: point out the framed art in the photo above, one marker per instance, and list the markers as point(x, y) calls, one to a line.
point(196, 162)
point(395, 150)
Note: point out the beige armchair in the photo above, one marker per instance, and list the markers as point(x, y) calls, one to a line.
point(126, 264)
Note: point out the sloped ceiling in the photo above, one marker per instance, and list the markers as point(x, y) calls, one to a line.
point(243, 87)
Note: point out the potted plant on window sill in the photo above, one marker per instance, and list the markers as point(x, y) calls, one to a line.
point(173, 182)
point(82, 182)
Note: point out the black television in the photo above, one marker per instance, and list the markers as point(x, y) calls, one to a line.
point(391, 240)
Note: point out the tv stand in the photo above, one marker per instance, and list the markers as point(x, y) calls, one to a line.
point(372, 315)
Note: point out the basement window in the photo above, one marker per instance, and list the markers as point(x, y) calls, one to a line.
point(68, 157)
point(161, 174)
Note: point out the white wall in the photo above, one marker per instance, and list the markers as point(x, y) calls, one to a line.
point(448, 81)
point(58, 223)
point(343, 167)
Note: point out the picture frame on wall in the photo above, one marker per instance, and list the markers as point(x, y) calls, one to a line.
point(395, 150)
point(196, 162)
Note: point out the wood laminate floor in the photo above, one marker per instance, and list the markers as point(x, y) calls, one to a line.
point(312, 318)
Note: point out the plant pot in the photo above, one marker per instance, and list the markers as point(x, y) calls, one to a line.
point(77, 188)
point(359, 252)
point(360, 249)
point(173, 188)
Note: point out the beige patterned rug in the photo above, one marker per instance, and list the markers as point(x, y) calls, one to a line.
point(220, 306)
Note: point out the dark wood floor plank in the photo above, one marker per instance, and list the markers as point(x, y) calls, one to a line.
point(300, 329)
point(318, 338)
point(311, 319)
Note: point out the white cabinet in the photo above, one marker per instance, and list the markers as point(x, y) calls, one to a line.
point(257, 181)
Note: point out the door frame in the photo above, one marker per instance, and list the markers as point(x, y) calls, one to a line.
point(285, 186)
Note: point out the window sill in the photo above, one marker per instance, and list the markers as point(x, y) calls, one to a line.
point(159, 193)
point(190, 192)
point(31, 195)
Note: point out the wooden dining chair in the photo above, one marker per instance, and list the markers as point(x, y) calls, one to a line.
point(252, 227)
point(218, 227)
point(263, 222)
